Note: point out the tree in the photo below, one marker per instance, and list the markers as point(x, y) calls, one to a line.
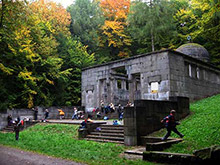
point(201, 20)
point(114, 34)
point(17, 55)
point(151, 24)
point(52, 15)
point(86, 20)
point(29, 62)
point(75, 58)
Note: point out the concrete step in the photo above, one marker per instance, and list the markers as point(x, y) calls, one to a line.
point(170, 158)
point(107, 125)
point(6, 131)
point(106, 137)
point(8, 128)
point(111, 131)
point(105, 141)
point(11, 128)
point(111, 127)
point(136, 151)
point(156, 144)
point(107, 134)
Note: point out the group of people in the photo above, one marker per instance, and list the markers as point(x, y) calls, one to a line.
point(46, 114)
point(169, 121)
point(111, 108)
point(107, 108)
point(76, 114)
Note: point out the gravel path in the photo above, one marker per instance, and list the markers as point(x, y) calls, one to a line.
point(9, 156)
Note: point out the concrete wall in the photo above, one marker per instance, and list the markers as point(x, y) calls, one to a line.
point(22, 113)
point(192, 78)
point(145, 117)
point(168, 68)
point(3, 120)
point(100, 82)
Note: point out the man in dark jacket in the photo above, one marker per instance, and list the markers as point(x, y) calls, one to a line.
point(17, 128)
point(9, 118)
point(170, 124)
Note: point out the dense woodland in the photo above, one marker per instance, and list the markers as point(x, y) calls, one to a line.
point(43, 46)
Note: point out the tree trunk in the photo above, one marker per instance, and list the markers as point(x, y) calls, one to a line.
point(152, 33)
point(152, 40)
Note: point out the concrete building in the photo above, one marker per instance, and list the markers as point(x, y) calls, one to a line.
point(153, 76)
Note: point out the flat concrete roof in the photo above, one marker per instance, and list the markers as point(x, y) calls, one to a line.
point(150, 53)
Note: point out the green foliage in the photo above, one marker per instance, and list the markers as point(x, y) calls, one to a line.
point(42, 53)
point(31, 61)
point(60, 141)
point(202, 23)
point(149, 21)
point(201, 128)
point(75, 57)
point(86, 20)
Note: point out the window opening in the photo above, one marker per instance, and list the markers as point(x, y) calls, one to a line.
point(127, 85)
point(197, 73)
point(190, 70)
point(119, 84)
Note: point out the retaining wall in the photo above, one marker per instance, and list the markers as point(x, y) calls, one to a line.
point(144, 118)
point(22, 113)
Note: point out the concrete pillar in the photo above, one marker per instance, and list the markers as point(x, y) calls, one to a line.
point(108, 90)
point(130, 126)
point(99, 92)
point(131, 88)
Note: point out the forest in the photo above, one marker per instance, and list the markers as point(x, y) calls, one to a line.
point(44, 47)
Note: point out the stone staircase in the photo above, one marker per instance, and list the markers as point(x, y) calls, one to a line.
point(11, 128)
point(8, 129)
point(108, 133)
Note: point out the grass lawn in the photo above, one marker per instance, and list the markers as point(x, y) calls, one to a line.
point(60, 140)
point(201, 128)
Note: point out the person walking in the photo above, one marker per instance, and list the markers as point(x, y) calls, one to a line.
point(61, 114)
point(75, 114)
point(170, 124)
point(46, 114)
point(35, 113)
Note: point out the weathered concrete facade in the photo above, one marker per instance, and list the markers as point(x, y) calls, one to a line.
point(153, 76)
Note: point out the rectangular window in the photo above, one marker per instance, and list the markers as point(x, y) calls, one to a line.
point(197, 73)
point(154, 87)
point(127, 85)
point(119, 84)
point(190, 70)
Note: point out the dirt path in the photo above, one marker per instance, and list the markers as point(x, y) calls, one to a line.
point(14, 156)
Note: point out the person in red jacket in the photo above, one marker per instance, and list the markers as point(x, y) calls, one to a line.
point(170, 124)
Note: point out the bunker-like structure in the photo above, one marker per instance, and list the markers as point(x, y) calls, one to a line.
point(153, 76)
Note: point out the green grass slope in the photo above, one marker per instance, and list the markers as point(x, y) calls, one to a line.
point(60, 140)
point(201, 128)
